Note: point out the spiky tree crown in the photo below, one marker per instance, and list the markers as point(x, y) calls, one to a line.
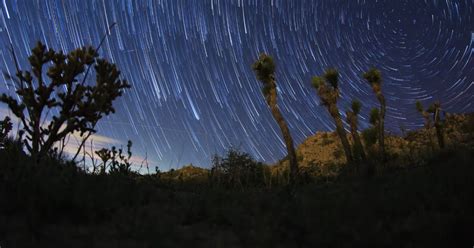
point(327, 86)
point(374, 116)
point(373, 76)
point(433, 107)
point(356, 106)
point(264, 68)
point(419, 107)
point(317, 82)
point(332, 77)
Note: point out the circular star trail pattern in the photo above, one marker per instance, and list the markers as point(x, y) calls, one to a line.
point(189, 62)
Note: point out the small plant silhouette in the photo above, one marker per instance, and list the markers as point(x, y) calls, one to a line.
point(328, 90)
point(115, 159)
point(264, 69)
point(5, 128)
point(79, 105)
point(236, 169)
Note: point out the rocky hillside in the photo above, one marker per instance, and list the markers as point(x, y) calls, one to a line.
point(324, 149)
point(322, 153)
point(188, 173)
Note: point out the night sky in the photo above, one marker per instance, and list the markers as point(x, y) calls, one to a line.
point(189, 62)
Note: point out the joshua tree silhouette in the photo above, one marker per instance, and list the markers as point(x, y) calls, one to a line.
point(435, 110)
point(264, 69)
point(352, 119)
point(428, 124)
point(374, 78)
point(328, 91)
point(78, 105)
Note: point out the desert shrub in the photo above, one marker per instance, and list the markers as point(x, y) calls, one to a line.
point(236, 170)
point(5, 128)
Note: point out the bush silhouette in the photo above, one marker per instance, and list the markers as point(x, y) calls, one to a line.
point(236, 170)
point(79, 105)
point(5, 128)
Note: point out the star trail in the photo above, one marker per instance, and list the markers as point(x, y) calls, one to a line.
point(189, 62)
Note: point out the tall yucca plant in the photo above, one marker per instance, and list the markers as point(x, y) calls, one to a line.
point(327, 87)
point(434, 110)
point(374, 78)
point(264, 69)
point(427, 119)
point(353, 120)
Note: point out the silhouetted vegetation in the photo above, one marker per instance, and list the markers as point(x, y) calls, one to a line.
point(374, 78)
point(264, 68)
point(435, 111)
point(416, 196)
point(327, 87)
point(55, 204)
point(5, 128)
point(352, 118)
point(236, 169)
point(114, 159)
point(77, 104)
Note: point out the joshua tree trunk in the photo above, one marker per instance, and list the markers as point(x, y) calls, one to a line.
point(358, 147)
point(340, 131)
point(264, 69)
point(381, 130)
point(271, 99)
point(439, 131)
point(426, 117)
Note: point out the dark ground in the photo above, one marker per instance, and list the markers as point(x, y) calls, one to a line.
point(55, 205)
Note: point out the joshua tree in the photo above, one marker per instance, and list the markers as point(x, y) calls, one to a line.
point(264, 69)
point(328, 91)
point(352, 119)
point(425, 114)
point(374, 77)
point(50, 110)
point(435, 110)
point(427, 119)
point(370, 135)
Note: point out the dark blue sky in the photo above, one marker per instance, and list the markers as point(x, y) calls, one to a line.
point(189, 62)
